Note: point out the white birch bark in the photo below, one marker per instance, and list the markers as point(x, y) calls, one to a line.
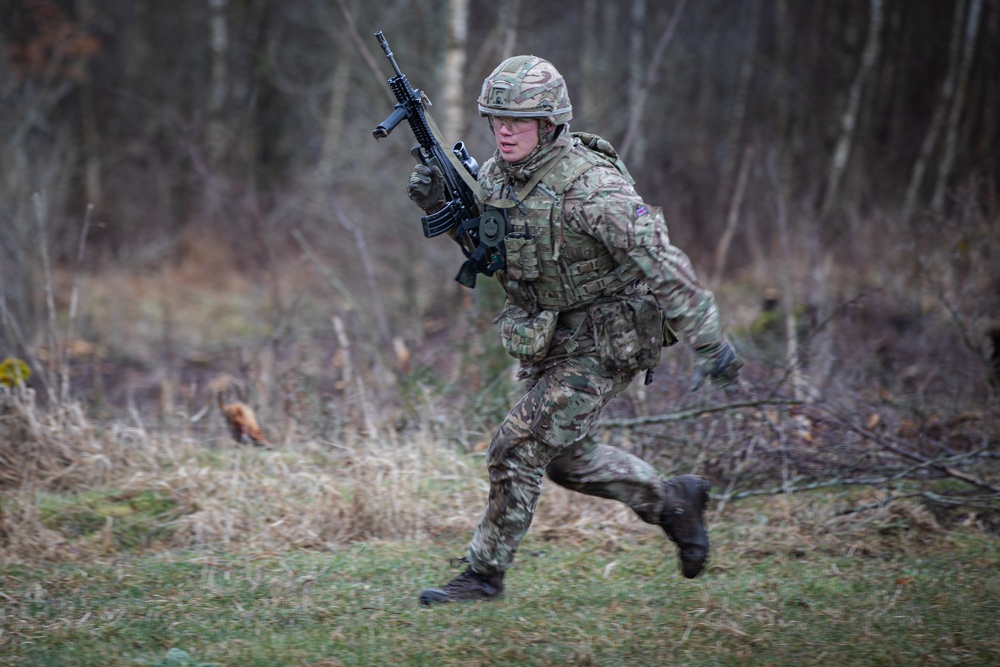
point(454, 67)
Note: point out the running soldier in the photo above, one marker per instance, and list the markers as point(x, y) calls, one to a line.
point(594, 291)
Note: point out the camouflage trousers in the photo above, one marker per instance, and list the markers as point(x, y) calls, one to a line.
point(548, 431)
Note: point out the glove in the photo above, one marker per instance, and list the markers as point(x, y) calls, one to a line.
point(426, 187)
point(717, 362)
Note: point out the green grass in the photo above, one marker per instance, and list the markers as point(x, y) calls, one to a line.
point(929, 600)
point(125, 521)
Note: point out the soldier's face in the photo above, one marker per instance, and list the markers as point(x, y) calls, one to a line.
point(515, 137)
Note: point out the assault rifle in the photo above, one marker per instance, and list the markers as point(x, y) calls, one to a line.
point(479, 234)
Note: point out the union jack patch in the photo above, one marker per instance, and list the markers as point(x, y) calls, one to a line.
point(640, 211)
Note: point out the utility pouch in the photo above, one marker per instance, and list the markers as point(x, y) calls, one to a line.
point(522, 257)
point(628, 333)
point(526, 337)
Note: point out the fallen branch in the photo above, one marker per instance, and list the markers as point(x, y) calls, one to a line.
point(896, 446)
point(926, 495)
point(825, 484)
point(690, 414)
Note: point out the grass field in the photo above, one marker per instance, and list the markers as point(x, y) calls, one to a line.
point(791, 582)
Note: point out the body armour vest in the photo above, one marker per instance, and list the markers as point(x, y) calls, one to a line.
point(550, 265)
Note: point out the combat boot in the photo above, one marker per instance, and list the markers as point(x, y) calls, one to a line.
point(683, 520)
point(466, 586)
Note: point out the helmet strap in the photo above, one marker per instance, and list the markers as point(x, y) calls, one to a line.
point(547, 132)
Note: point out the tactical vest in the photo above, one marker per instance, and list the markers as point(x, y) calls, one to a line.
point(550, 266)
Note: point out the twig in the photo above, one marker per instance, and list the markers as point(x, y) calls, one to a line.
point(799, 388)
point(724, 500)
point(369, 269)
point(74, 302)
point(824, 484)
point(927, 495)
point(817, 330)
point(334, 281)
point(780, 433)
point(41, 213)
point(689, 414)
point(896, 448)
point(363, 48)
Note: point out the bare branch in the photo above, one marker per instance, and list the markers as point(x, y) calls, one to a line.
point(691, 414)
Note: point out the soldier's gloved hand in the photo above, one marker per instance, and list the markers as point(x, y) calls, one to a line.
point(426, 187)
point(719, 363)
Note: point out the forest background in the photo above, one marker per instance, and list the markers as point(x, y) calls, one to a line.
point(194, 207)
point(193, 211)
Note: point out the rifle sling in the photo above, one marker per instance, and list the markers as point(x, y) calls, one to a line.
point(463, 173)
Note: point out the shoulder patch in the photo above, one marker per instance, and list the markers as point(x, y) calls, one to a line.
point(640, 211)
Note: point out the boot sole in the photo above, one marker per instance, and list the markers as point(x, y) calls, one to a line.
point(432, 596)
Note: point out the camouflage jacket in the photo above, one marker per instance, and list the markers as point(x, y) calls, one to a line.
point(593, 212)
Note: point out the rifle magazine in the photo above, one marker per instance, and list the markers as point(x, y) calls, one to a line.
point(443, 220)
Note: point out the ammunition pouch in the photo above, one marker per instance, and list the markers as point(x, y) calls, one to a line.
point(526, 337)
point(628, 333)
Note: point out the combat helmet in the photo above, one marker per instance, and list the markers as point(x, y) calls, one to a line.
point(526, 86)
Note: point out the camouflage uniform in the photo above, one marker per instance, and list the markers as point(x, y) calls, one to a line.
point(594, 289)
point(548, 430)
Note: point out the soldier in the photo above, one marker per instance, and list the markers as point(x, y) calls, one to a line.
point(594, 291)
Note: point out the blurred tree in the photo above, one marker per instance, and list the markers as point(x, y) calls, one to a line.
point(184, 117)
point(849, 119)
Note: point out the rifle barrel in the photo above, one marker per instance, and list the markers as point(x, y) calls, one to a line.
point(384, 43)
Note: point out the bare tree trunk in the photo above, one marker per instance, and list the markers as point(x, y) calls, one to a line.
point(454, 67)
point(783, 115)
point(501, 40)
point(589, 63)
point(937, 120)
point(730, 147)
point(635, 146)
point(639, 102)
point(990, 134)
point(510, 18)
point(848, 122)
point(333, 125)
point(799, 382)
point(733, 215)
point(218, 45)
point(91, 139)
point(957, 105)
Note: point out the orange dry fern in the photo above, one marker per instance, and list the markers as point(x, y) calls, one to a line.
point(243, 423)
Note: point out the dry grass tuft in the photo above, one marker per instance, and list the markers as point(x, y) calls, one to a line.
point(58, 447)
point(23, 536)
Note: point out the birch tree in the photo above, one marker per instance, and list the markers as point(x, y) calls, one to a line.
point(453, 94)
point(218, 45)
